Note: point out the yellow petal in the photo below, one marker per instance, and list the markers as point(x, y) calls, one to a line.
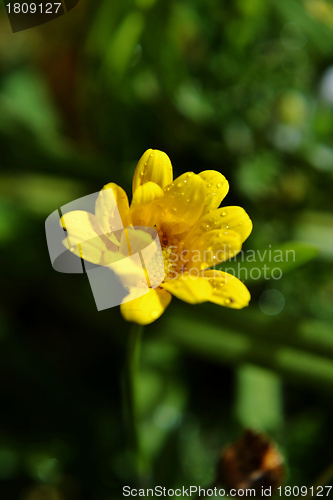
point(233, 218)
point(192, 289)
point(155, 166)
point(112, 208)
point(217, 188)
point(87, 250)
point(211, 248)
point(228, 290)
point(143, 196)
point(144, 241)
point(181, 205)
point(80, 225)
point(147, 308)
point(129, 270)
point(83, 236)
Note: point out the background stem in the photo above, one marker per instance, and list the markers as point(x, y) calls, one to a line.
point(130, 391)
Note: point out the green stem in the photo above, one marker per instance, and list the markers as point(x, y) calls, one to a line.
point(130, 390)
point(322, 480)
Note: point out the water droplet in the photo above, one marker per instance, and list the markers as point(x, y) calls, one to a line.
point(227, 227)
point(189, 174)
point(209, 185)
point(174, 210)
point(203, 266)
point(71, 249)
point(224, 213)
point(219, 185)
point(227, 301)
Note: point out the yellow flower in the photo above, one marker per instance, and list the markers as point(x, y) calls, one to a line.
point(194, 234)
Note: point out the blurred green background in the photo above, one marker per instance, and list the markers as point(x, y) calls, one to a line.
point(243, 87)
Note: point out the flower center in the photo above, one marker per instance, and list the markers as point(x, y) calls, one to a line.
point(173, 263)
point(172, 250)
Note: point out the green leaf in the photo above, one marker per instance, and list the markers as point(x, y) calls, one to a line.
point(319, 33)
point(26, 100)
point(258, 398)
point(211, 338)
point(122, 46)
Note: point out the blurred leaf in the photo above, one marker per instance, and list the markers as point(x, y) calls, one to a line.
point(320, 34)
point(191, 101)
point(28, 101)
point(210, 339)
point(317, 229)
point(258, 398)
point(9, 219)
point(122, 46)
point(163, 418)
point(257, 176)
point(40, 194)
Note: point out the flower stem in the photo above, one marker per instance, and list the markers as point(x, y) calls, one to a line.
point(321, 481)
point(130, 391)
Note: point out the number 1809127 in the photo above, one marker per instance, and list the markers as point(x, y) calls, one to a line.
point(312, 491)
point(32, 8)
